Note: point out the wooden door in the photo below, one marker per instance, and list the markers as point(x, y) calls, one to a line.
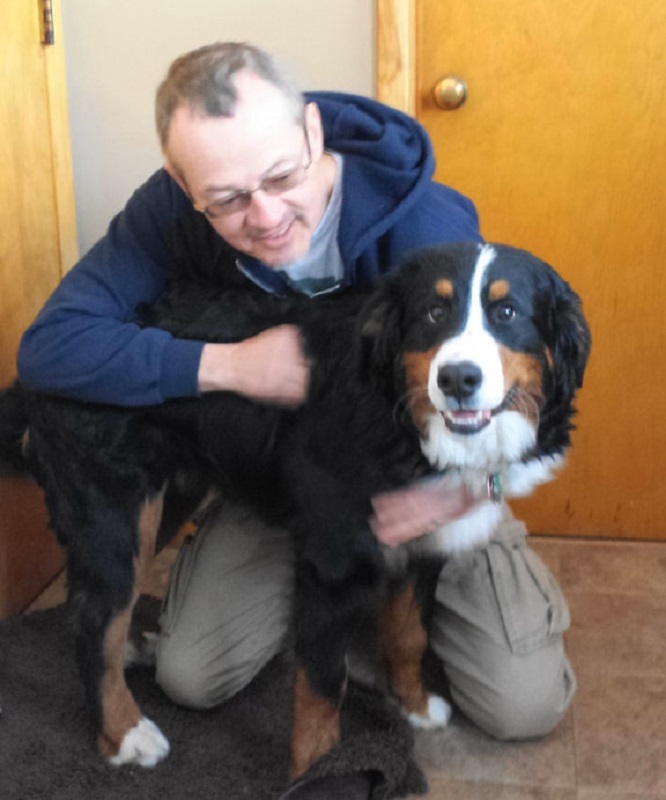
point(562, 145)
point(37, 243)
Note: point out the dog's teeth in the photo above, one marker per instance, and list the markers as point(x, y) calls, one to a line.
point(468, 417)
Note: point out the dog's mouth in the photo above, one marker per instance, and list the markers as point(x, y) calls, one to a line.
point(468, 422)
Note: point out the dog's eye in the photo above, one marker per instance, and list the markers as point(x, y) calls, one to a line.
point(437, 313)
point(504, 312)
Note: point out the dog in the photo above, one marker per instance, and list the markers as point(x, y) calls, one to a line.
point(463, 364)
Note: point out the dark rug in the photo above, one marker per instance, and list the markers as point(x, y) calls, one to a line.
point(237, 751)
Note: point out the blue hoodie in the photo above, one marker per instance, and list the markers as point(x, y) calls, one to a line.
point(85, 342)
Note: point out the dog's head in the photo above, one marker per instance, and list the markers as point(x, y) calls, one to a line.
point(487, 345)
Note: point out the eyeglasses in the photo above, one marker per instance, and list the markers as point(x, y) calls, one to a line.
point(273, 185)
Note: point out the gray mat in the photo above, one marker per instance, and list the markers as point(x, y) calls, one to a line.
point(237, 751)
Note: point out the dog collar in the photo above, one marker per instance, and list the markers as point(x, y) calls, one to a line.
point(494, 487)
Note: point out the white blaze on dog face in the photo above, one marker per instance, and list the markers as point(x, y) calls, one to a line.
point(474, 346)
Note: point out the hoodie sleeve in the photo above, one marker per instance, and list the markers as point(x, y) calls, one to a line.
point(85, 342)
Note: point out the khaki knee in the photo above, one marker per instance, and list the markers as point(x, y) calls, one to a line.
point(527, 698)
point(227, 608)
point(497, 628)
point(188, 678)
point(182, 681)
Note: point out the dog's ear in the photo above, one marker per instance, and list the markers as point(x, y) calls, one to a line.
point(567, 335)
point(379, 327)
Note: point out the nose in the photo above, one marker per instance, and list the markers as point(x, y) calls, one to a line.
point(460, 380)
point(265, 211)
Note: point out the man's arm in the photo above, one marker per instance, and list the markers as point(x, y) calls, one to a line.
point(85, 342)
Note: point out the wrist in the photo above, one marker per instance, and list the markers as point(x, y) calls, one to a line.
point(216, 368)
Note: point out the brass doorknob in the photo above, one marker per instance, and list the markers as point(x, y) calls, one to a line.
point(450, 92)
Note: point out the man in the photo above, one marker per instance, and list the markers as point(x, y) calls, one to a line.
point(296, 195)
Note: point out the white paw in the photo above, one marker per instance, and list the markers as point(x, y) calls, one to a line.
point(437, 716)
point(144, 744)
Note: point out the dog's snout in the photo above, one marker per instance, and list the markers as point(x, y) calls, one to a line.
point(460, 380)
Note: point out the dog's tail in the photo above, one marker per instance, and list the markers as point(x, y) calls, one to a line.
point(13, 428)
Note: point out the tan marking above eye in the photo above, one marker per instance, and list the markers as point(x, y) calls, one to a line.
point(499, 289)
point(444, 288)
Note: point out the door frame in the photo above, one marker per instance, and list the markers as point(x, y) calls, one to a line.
point(29, 553)
point(60, 140)
point(396, 54)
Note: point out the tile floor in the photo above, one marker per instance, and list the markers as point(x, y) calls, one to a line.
point(612, 743)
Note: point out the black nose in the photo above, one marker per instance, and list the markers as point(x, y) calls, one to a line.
point(459, 380)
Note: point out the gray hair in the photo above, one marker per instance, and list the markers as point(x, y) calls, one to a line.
point(203, 81)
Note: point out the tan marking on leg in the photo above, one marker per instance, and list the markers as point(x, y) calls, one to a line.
point(402, 642)
point(316, 728)
point(148, 527)
point(120, 712)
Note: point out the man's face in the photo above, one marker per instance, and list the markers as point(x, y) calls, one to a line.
point(214, 157)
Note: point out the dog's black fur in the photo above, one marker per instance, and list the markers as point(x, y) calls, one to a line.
point(313, 469)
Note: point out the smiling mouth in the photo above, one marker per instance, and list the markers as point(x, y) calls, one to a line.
point(470, 422)
point(277, 235)
point(467, 422)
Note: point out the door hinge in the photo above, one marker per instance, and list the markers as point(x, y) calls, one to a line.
point(46, 22)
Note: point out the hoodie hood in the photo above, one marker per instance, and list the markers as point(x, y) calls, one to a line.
point(389, 162)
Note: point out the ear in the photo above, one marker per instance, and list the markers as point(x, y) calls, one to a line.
point(175, 173)
point(315, 130)
point(567, 335)
point(378, 333)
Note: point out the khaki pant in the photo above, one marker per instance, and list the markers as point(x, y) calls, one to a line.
point(497, 625)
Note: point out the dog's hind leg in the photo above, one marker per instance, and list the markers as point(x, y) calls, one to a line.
point(316, 727)
point(324, 623)
point(104, 613)
point(402, 642)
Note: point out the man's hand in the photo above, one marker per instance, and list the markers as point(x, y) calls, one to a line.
point(269, 367)
point(421, 508)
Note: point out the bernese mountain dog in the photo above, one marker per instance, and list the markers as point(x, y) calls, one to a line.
point(462, 364)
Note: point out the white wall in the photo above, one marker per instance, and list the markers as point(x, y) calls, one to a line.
point(118, 51)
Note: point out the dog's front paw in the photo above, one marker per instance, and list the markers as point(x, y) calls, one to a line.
point(437, 714)
point(144, 744)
